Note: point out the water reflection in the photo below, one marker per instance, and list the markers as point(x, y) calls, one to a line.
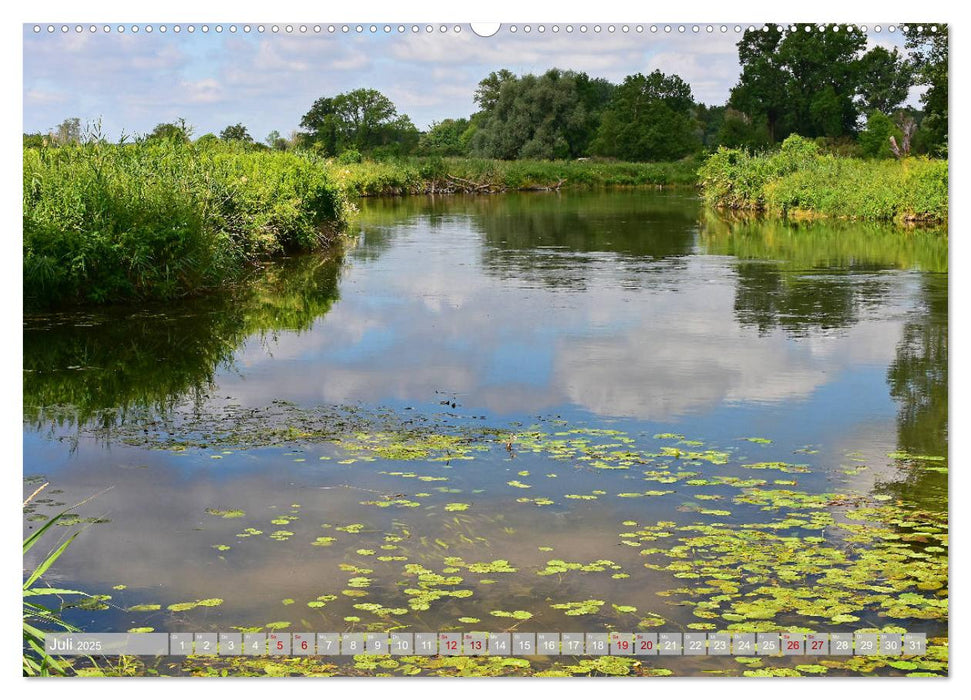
point(98, 365)
point(616, 304)
point(627, 312)
point(918, 383)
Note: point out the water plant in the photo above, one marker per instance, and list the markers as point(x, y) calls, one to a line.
point(37, 615)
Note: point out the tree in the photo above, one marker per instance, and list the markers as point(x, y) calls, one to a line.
point(177, 131)
point(236, 132)
point(276, 142)
point(875, 139)
point(553, 115)
point(823, 79)
point(67, 132)
point(362, 119)
point(321, 122)
point(444, 138)
point(885, 79)
point(929, 61)
point(803, 81)
point(738, 130)
point(649, 119)
point(35, 140)
point(761, 90)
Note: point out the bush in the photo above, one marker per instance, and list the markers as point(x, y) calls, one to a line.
point(163, 219)
point(351, 155)
point(875, 139)
point(799, 179)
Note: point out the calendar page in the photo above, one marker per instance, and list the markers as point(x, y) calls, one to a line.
point(525, 349)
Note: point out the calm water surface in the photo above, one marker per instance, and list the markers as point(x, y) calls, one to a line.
point(578, 345)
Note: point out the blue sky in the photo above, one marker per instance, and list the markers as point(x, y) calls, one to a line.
point(268, 81)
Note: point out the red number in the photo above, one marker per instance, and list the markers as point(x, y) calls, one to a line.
point(817, 645)
point(303, 645)
point(279, 646)
point(792, 645)
point(452, 645)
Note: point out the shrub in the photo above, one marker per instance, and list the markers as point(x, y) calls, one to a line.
point(351, 155)
point(163, 219)
point(799, 179)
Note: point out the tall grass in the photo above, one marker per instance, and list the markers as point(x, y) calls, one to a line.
point(799, 181)
point(159, 220)
point(40, 617)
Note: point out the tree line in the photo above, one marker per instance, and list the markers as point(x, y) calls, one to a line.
point(811, 81)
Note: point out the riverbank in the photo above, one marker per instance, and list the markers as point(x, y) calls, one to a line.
point(106, 223)
point(799, 182)
point(160, 220)
point(153, 221)
point(487, 176)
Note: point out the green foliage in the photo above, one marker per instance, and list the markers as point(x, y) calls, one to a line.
point(798, 180)
point(236, 132)
point(164, 218)
point(649, 119)
point(885, 79)
point(176, 132)
point(36, 615)
point(738, 130)
point(929, 58)
point(351, 155)
point(807, 81)
point(551, 116)
point(416, 175)
point(445, 138)
point(875, 139)
point(364, 120)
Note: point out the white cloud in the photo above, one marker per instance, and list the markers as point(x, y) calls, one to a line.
point(269, 81)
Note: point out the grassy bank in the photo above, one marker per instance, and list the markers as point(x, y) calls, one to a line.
point(798, 181)
point(160, 220)
point(157, 221)
point(485, 176)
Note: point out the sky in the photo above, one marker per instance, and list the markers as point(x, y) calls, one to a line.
point(267, 81)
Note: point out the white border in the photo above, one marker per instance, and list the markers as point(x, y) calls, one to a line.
point(534, 11)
